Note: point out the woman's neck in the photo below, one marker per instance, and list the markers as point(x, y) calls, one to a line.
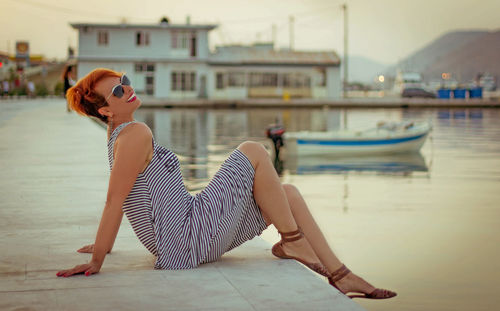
point(117, 121)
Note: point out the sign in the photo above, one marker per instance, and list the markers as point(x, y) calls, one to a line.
point(22, 49)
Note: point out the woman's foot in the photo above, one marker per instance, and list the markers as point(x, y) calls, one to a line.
point(352, 283)
point(301, 249)
point(293, 245)
point(347, 282)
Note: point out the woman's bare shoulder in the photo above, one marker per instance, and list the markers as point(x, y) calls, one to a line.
point(134, 132)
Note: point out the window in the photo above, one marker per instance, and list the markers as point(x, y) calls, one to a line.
point(102, 38)
point(287, 80)
point(219, 80)
point(296, 80)
point(307, 81)
point(142, 38)
point(180, 40)
point(150, 82)
point(322, 76)
point(144, 67)
point(174, 81)
point(174, 39)
point(183, 81)
point(270, 79)
point(192, 81)
point(236, 79)
point(255, 79)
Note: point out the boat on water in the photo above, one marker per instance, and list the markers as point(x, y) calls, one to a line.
point(385, 138)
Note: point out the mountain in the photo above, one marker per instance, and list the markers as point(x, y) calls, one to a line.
point(364, 70)
point(463, 54)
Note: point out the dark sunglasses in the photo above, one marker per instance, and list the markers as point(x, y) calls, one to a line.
point(118, 90)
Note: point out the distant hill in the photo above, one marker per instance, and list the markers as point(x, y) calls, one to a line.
point(464, 54)
point(363, 69)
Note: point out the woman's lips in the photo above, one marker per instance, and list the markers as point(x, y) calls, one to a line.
point(132, 99)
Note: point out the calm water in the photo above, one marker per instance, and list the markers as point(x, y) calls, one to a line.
point(425, 225)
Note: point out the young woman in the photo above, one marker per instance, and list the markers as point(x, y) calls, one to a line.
point(68, 82)
point(183, 231)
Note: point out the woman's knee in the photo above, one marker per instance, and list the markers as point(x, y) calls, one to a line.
point(254, 151)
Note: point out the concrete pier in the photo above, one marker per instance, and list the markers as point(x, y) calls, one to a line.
point(54, 176)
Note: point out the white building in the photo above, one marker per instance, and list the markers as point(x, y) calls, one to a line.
point(174, 62)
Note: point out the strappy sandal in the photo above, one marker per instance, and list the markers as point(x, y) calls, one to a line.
point(377, 293)
point(292, 236)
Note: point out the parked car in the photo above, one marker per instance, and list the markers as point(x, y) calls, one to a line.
point(417, 92)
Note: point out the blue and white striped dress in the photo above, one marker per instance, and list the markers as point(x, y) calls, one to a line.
point(183, 230)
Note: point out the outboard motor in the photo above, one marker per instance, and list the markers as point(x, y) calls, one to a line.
point(275, 133)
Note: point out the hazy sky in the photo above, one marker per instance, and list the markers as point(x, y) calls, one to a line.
point(384, 30)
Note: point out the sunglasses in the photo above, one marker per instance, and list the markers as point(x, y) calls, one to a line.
point(118, 90)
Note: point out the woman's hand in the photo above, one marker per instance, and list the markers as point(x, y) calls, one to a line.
point(87, 269)
point(88, 249)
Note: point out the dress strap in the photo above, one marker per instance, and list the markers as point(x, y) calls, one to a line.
point(112, 139)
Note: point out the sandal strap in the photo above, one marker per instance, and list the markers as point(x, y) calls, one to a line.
point(339, 274)
point(292, 235)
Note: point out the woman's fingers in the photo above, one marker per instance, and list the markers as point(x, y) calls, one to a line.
point(76, 270)
point(87, 269)
point(90, 271)
point(87, 249)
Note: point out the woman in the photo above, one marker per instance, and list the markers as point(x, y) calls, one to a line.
point(183, 231)
point(68, 82)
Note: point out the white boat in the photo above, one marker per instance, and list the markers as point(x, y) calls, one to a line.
point(386, 138)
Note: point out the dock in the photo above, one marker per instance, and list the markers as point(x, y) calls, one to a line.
point(53, 188)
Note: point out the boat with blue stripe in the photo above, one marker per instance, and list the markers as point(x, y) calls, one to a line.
point(386, 138)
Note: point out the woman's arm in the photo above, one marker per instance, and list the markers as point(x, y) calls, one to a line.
point(133, 148)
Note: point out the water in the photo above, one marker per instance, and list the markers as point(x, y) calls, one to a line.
point(425, 225)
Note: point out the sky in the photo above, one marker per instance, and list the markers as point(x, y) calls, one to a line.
point(383, 30)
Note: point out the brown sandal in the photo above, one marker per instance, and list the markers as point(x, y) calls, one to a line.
point(377, 293)
point(292, 236)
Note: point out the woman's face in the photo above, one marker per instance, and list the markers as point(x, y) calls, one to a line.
point(126, 104)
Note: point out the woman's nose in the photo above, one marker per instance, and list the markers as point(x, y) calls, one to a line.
point(128, 89)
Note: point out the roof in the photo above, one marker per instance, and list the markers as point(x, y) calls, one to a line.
point(261, 54)
point(144, 26)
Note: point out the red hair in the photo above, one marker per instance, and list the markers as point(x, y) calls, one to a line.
point(83, 98)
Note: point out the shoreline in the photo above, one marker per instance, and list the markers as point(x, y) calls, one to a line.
point(314, 103)
point(302, 103)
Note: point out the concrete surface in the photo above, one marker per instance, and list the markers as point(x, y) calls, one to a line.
point(54, 175)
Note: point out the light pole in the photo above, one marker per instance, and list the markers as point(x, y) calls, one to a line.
point(346, 67)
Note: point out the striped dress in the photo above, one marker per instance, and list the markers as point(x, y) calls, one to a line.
point(185, 230)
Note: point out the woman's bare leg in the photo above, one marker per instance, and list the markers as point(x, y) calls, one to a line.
point(313, 234)
point(271, 199)
point(284, 207)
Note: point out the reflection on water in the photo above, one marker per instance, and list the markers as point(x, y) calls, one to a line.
point(425, 225)
point(383, 164)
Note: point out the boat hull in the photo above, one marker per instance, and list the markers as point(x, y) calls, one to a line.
point(392, 144)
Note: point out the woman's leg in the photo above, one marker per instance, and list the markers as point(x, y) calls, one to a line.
point(313, 234)
point(286, 209)
point(271, 199)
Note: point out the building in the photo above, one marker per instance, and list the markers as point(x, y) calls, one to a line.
point(174, 62)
